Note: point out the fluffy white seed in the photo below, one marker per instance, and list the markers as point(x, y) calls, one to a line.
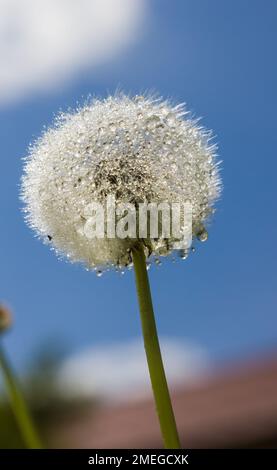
point(138, 149)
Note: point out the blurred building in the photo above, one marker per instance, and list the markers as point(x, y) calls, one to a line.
point(234, 408)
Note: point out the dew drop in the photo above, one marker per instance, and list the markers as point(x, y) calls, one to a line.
point(112, 127)
point(139, 98)
point(153, 121)
point(171, 119)
point(99, 273)
point(203, 235)
point(184, 254)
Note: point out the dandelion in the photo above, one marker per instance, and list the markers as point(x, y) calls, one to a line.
point(138, 150)
point(5, 319)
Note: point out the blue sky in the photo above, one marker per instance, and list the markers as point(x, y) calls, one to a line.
point(218, 57)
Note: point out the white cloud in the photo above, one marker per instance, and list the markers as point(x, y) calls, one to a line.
point(119, 372)
point(43, 42)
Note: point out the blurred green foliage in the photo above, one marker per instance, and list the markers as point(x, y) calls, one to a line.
point(46, 402)
point(9, 435)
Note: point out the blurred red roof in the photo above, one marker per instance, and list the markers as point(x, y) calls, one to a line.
point(236, 407)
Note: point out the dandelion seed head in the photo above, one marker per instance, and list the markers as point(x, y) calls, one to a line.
point(5, 318)
point(139, 149)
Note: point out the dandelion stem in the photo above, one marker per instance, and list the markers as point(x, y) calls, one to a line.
point(153, 353)
point(18, 404)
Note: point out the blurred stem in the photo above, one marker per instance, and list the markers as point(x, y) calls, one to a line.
point(18, 405)
point(153, 353)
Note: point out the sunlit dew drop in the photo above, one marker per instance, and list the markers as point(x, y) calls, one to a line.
point(99, 273)
point(193, 249)
point(112, 127)
point(184, 254)
point(158, 262)
point(153, 121)
point(139, 99)
point(148, 265)
point(170, 118)
point(203, 235)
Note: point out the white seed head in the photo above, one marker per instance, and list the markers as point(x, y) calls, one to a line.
point(139, 149)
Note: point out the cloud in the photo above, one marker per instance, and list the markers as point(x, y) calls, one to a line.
point(44, 42)
point(119, 372)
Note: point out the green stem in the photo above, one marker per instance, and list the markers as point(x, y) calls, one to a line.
point(19, 406)
point(153, 353)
